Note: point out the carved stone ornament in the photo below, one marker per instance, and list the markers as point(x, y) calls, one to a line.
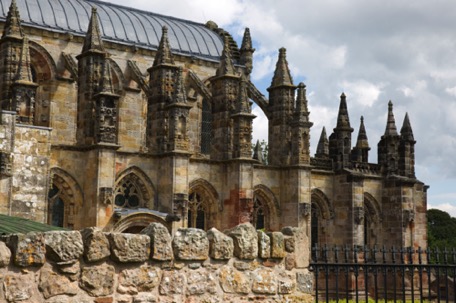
point(408, 216)
point(305, 209)
point(358, 215)
point(180, 205)
point(5, 164)
point(106, 195)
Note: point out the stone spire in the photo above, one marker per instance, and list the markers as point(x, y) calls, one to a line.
point(24, 72)
point(92, 40)
point(282, 74)
point(13, 28)
point(258, 152)
point(406, 130)
point(390, 124)
point(323, 145)
point(226, 66)
point(343, 121)
point(243, 105)
point(301, 103)
point(247, 51)
point(362, 141)
point(164, 54)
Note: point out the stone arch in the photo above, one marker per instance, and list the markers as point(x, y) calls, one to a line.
point(135, 222)
point(371, 221)
point(134, 179)
point(44, 71)
point(118, 78)
point(323, 203)
point(204, 206)
point(64, 189)
point(264, 197)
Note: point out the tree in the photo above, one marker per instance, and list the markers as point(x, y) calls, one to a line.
point(441, 229)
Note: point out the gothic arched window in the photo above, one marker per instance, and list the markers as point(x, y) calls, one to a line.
point(196, 211)
point(56, 207)
point(315, 214)
point(260, 215)
point(127, 194)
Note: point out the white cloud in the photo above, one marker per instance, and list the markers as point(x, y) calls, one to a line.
point(447, 207)
point(362, 92)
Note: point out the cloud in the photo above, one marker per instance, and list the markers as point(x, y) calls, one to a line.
point(447, 207)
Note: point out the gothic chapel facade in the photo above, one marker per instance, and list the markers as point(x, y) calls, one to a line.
point(115, 117)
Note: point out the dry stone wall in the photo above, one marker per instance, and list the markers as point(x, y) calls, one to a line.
point(194, 266)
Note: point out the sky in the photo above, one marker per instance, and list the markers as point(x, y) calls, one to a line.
point(373, 51)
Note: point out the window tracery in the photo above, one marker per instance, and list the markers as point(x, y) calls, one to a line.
point(128, 194)
point(197, 210)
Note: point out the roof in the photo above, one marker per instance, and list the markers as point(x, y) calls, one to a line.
point(14, 225)
point(119, 24)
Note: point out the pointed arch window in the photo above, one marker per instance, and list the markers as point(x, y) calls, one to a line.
point(56, 213)
point(127, 193)
point(196, 211)
point(260, 215)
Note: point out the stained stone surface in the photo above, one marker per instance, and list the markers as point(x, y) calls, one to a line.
point(245, 241)
point(191, 244)
point(220, 245)
point(173, 282)
point(28, 250)
point(234, 281)
point(143, 279)
point(264, 282)
point(264, 245)
point(5, 255)
point(63, 246)
point(96, 244)
point(160, 242)
point(277, 245)
point(52, 283)
point(98, 280)
point(129, 247)
point(17, 287)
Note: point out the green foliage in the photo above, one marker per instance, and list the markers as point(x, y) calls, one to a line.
point(441, 229)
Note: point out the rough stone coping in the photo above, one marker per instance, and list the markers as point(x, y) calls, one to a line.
point(188, 245)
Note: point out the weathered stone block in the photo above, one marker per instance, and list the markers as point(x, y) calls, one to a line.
point(5, 255)
point(63, 246)
point(301, 239)
point(245, 240)
point(173, 282)
point(52, 284)
point(277, 245)
point(17, 287)
point(144, 298)
point(264, 282)
point(96, 244)
point(286, 285)
point(135, 280)
point(289, 244)
point(220, 245)
point(27, 249)
point(191, 244)
point(129, 247)
point(160, 241)
point(199, 282)
point(233, 281)
point(304, 281)
point(98, 280)
point(264, 245)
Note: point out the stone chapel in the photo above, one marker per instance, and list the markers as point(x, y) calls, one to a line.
point(116, 117)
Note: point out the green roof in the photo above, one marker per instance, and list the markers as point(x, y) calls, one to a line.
point(15, 225)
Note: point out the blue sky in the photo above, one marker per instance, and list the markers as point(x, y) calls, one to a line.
point(374, 51)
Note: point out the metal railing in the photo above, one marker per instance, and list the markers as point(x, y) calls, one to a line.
point(361, 274)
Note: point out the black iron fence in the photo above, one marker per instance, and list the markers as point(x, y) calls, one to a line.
point(383, 274)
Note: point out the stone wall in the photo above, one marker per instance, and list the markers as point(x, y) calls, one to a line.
point(239, 265)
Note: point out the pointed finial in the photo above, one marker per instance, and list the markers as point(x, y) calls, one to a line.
point(92, 40)
point(246, 44)
point(406, 130)
point(226, 66)
point(164, 54)
point(243, 102)
point(391, 129)
point(362, 141)
point(282, 75)
point(106, 78)
point(24, 71)
point(12, 27)
point(179, 94)
point(323, 145)
point(258, 152)
point(301, 100)
point(343, 121)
